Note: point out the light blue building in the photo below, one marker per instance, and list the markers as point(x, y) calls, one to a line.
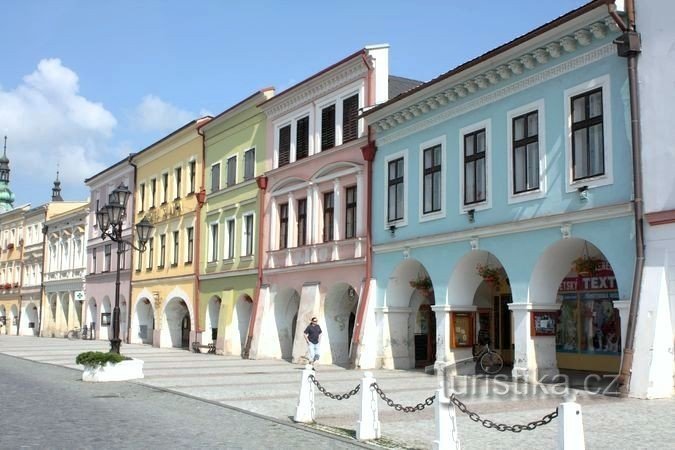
point(506, 183)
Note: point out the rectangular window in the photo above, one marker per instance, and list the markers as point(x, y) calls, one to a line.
point(162, 250)
point(141, 200)
point(151, 253)
point(433, 159)
point(526, 152)
point(139, 261)
point(350, 212)
point(232, 171)
point(302, 222)
point(193, 176)
point(93, 261)
point(190, 245)
point(107, 260)
point(284, 145)
point(474, 167)
point(178, 173)
point(302, 138)
point(248, 235)
point(153, 192)
point(395, 190)
point(215, 177)
point(176, 246)
point(214, 243)
point(328, 216)
point(165, 187)
point(350, 118)
point(283, 225)
point(249, 164)
point(230, 239)
point(588, 153)
point(328, 127)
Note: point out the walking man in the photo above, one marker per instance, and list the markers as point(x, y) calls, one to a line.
point(313, 338)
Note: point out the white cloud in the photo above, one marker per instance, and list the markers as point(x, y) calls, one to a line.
point(154, 114)
point(48, 121)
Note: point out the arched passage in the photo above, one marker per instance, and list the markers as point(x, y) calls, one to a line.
point(339, 309)
point(211, 320)
point(177, 324)
point(105, 318)
point(29, 323)
point(142, 322)
point(90, 316)
point(409, 327)
point(286, 305)
point(241, 316)
point(14, 319)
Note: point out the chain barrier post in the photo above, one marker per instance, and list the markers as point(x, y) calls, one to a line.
point(368, 426)
point(305, 410)
point(570, 427)
point(447, 437)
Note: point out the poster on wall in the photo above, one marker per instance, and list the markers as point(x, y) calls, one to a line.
point(543, 323)
point(462, 329)
point(105, 319)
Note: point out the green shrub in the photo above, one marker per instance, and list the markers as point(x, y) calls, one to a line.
point(98, 358)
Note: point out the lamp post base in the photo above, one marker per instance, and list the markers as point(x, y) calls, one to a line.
point(115, 345)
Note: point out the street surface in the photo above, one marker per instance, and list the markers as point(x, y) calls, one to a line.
point(270, 388)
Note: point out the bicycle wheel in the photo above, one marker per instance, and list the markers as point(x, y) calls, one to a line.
point(491, 363)
point(72, 335)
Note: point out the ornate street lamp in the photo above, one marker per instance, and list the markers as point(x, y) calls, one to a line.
point(109, 220)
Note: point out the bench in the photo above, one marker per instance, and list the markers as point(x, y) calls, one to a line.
point(197, 347)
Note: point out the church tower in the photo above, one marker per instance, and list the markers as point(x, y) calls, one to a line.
point(6, 194)
point(56, 190)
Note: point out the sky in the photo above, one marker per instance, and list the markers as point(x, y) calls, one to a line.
point(83, 83)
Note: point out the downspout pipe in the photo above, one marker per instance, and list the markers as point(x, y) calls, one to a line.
point(628, 45)
point(368, 152)
point(201, 199)
point(262, 190)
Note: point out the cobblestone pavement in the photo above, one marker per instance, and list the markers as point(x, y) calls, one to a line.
point(270, 388)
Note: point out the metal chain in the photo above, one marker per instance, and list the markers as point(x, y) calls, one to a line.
point(398, 407)
point(487, 423)
point(331, 395)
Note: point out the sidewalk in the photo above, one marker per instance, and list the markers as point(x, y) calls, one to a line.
point(270, 388)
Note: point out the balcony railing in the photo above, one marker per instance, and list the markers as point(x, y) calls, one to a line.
point(317, 253)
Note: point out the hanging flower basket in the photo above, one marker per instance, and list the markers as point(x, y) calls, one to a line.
point(491, 275)
point(423, 283)
point(8, 286)
point(586, 266)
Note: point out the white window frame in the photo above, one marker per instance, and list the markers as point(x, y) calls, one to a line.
point(227, 169)
point(607, 178)
point(189, 176)
point(253, 148)
point(220, 176)
point(226, 239)
point(243, 235)
point(539, 107)
point(487, 204)
point(406, 182)
point(165, 193)
point(213, 246)
point(423, 146)
point(177, 195)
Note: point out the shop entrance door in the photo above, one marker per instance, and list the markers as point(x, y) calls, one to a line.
point(425, 337)
point(185, 331)
point(502, 331)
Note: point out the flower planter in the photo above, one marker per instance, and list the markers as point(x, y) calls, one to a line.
point(130, 369)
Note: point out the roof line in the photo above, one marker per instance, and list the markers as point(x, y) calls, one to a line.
point(175, 132)
point(250, 97)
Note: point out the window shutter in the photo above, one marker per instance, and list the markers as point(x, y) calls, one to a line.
point(284, 145)
point(328, 127)
point(302, 139)
point(350, 121)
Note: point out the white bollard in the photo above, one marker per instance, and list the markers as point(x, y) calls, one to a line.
point(446, 420)
point(305, 411)
point(368, 426)
point(571, 427)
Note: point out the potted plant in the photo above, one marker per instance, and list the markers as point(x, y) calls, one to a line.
point(489, 274)
point(8, 286)
point(101, 367)
point(586, 266)
point(423, 283)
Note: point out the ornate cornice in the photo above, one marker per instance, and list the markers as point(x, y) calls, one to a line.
point(498, 75)
point(323, 85)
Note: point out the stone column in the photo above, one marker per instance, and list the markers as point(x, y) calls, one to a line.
point(310, 306)
point(396, 339)
point(534, 357)
point(455, 359)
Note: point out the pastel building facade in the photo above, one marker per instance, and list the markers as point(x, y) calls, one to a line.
point(102, 255)
point(11, 263)
point(32, 267)
point(314, 234)
point(490, 183)
point(235, 154)
point(169, 193)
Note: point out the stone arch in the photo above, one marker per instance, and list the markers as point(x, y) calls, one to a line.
point(212, 319)
point(29, 323)
point(338, 167)
point(338, 309)
point(90, 316)
point(409, 333)
point(286, 303)
point(143, 322)
point(64, 312)
point(176, 324)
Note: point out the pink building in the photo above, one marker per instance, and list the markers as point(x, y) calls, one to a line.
point(314, 231)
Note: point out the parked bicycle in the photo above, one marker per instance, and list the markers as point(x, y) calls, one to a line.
point(78, 333)
point(487, 360)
